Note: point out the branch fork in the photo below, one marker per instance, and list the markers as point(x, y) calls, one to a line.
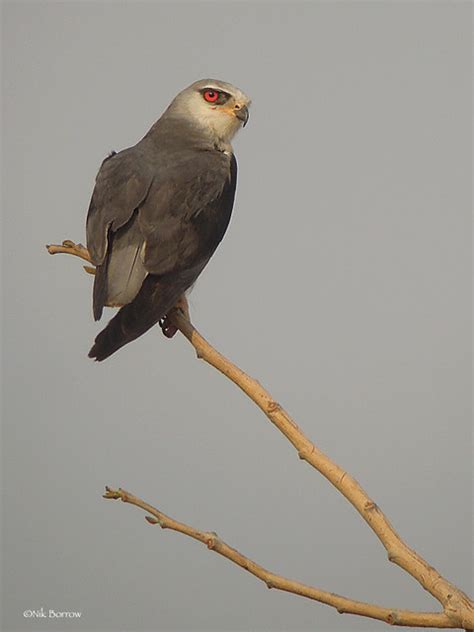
point(457, 607)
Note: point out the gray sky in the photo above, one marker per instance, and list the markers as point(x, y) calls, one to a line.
point(343, 285)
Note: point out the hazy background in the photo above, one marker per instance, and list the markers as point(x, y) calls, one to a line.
point(343, 285)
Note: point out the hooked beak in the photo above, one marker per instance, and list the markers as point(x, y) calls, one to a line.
point(242, 114)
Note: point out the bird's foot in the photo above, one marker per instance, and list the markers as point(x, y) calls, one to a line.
point(167, 327)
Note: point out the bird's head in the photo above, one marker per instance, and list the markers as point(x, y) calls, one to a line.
point(218, 107)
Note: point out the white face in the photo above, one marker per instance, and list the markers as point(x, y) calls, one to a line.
point(215, 105)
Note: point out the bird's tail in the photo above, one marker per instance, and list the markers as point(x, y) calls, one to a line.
point(153, 302)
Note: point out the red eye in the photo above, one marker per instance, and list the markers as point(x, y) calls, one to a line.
point(211, 96)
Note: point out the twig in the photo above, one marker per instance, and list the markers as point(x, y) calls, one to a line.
point(68, 247)
point(458, 608)
point(342, 604)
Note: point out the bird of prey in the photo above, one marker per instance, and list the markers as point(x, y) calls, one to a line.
point(160, 208)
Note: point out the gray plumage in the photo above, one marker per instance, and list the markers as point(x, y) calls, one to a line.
point(159, 210)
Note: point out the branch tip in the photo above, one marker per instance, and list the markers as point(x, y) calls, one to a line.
point(113, 494)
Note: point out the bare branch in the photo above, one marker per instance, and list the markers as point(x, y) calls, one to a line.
point(458, 608)
point(68, 247)
point(457, 605)
point(342, 604)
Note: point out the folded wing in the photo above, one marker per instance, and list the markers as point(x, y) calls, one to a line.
point(151, 229)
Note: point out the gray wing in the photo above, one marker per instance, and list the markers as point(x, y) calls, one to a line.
point(114, 239)
point(182, 219)
point(187, 210)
